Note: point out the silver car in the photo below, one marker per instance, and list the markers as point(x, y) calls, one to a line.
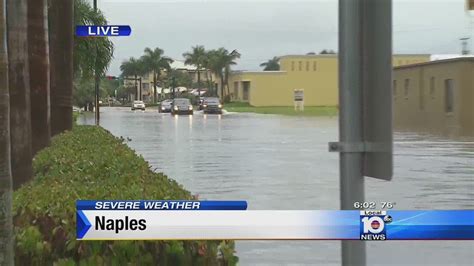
point(138, 105)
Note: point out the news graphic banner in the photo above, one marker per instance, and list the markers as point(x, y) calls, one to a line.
point(206, 220)
point(103, 30)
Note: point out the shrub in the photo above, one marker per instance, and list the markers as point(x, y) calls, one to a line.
point(89, 163)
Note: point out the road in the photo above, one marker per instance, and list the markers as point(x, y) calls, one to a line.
point(278, 162)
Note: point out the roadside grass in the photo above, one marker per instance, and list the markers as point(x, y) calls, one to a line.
point(242, 107)
point(89, 163)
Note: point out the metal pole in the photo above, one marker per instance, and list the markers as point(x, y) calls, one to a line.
point(96, 80)
point(350, 118)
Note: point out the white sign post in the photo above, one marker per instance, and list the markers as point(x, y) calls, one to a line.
point(299, 99)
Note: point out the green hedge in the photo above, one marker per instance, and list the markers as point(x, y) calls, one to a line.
point(90, 163)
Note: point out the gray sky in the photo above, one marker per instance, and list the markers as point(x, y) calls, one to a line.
point(261, 29)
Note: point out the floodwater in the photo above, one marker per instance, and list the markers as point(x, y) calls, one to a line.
point(278, 162)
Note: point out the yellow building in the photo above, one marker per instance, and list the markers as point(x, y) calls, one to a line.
point(317, 75)
point(436, 96)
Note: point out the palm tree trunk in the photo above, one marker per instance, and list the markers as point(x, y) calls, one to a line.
point(6, 183)
point(155, 78)
point(136, 87)
point(18, 78)
point(154, 86)
point(222, 86)
point(38, 57)
point(61, 35)
point(199, 82)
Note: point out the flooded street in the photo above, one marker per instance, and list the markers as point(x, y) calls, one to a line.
point(279, 162)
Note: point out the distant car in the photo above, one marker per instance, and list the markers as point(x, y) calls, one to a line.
point(212, 105)
point(181, 106)
point(165, 106)
point(138, 105)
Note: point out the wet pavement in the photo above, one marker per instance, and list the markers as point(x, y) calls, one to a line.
point(279, 162)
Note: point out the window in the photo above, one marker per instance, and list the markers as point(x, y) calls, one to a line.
point(394, 90)
point(236, 90)
point(292, 65)
point(315, 66)
point(245, 90)
point(300, 65)
point(449, 95)
point(432, 87)
point(307, 65)
point(407, 88)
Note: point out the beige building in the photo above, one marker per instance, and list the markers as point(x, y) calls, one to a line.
point(317, 75)
point(436, 96)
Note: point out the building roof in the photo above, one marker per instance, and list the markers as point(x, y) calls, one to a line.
point(335, 55)
point(434, 62)
point(178, 64)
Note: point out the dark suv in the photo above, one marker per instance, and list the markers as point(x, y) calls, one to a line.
point(212, 105)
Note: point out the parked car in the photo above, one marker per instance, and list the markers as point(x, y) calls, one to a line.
point(165, 106)
point(138, 105)
point(181, 106)
point(212, 105)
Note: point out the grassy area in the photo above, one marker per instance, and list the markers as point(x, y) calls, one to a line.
point(282, 110)
point(90, 163)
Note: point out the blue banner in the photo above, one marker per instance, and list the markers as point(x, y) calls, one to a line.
point(103, 30)
point(161, 205)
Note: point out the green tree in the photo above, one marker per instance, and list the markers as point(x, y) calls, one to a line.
point(19, 85)
point(271, 65)
point(196, 57)
point(133, 68)
point(6, 183)
point(220, 62)
point(61, 36)
point(154, 61)
point(38, 57)
point(182, 79)
point(327, 51)
point(85, 48)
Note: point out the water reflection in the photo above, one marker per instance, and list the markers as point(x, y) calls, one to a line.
point(278, 162)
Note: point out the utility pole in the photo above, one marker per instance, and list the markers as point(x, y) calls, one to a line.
point(96, 79)
point(173, 83)
point(365, 101)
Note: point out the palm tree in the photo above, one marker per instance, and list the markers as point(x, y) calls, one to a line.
point(38, 57)
point(219, 62)
point(271, 65)
point(133, 67)
point(61, 36)
point(197, 58)
point(6, 183)
point(85, 63)
point(155, 61)
point(18, 77)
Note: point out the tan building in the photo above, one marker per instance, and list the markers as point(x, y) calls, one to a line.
point(317, 75)
point(436, 96)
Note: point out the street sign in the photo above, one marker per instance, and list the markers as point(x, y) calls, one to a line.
point(299, 99)
point(299, 95)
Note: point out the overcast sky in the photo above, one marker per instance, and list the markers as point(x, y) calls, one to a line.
point(261, 29)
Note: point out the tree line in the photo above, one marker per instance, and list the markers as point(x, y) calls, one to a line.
point(207, 62)
point(39, 59)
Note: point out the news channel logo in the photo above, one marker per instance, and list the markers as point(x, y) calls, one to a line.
point(103, 30)
point(373, 225)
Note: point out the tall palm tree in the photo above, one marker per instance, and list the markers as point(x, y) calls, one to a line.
point(230, 60)
point(38, 57)
point(271, 65)
point(133, 67)
point(196, 57)
point(19, 85)
point(6, 183)
point(154, 61)
point(61, 45)
point(85, 63)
